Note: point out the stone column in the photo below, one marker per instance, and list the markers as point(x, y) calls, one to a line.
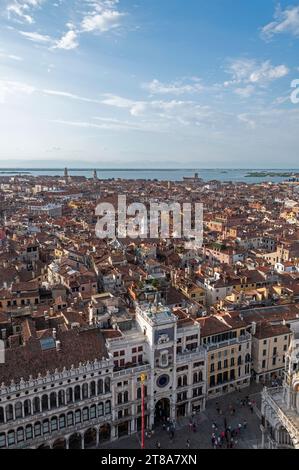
point(97, 437)
point(82, 441)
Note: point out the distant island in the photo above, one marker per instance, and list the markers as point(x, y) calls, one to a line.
point(263, 174)
point(15, 172)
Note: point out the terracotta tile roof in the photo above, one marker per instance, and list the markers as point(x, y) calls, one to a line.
point(29, 359)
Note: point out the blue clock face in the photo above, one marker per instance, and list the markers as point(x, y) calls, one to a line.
point(163, 380)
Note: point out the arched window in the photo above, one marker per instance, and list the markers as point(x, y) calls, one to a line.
point(53, 400)
point(92, 387)
point(100, 386)
point(9, 412)
point(10, 438)
point(239, 360)
point(1, 414)
point(37, 429)
point(119, 398)
point(27, 407)
point(179, 381)
point(77, 393)
point(100, 409)
point(70, 419)
point(85, 414)
point(29, 432)
point(126, 397)
point(61, 398)
point(54, 424)
point(2, 440)
point(69, 395)
point(18, 410)
point(61, 421)
point(46, 426)
point(85, 391)
point(108, 407)
point(138, 393)
point(77, 416)
point(36, 405)
point(107, 385)
point(20, 435)
point(247, 358)
point(45, 403)
point(93, 412)
point(200, 376)
point(185, 380)
point(195, 378)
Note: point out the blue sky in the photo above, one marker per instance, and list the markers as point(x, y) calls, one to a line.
point(149, 83)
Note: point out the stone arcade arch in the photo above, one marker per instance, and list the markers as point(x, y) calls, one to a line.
point(162, 410)
point(90, 438)
point(75, 441)
point(59, 444)
point(105, 432)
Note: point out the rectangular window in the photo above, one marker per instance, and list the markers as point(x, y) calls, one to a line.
point(264, 364)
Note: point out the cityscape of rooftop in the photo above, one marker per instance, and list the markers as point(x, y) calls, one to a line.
point(149, 230)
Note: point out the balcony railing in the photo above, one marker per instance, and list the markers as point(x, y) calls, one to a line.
point(241, 339)
point(198, 353)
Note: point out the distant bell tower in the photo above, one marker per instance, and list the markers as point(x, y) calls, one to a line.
point(95, 176)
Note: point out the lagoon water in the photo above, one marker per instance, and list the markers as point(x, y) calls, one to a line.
point(237, 175)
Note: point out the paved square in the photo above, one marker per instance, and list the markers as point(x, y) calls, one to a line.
point(249, 438)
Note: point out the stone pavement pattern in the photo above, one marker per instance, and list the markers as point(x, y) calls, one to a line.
point(249, 438)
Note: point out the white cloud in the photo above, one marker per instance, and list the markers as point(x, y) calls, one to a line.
point(112, 124)
point(65, 94)
point(37, 37)
point(4, 55)
point(21, 9)
point(245, 92)
point(266, 72)
point(102, 22)
point(68, 41)
point(285, 21)
point(173, 88)
point(247, 75)
point(250, 123)
point(165, 112)
point(8, 87)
